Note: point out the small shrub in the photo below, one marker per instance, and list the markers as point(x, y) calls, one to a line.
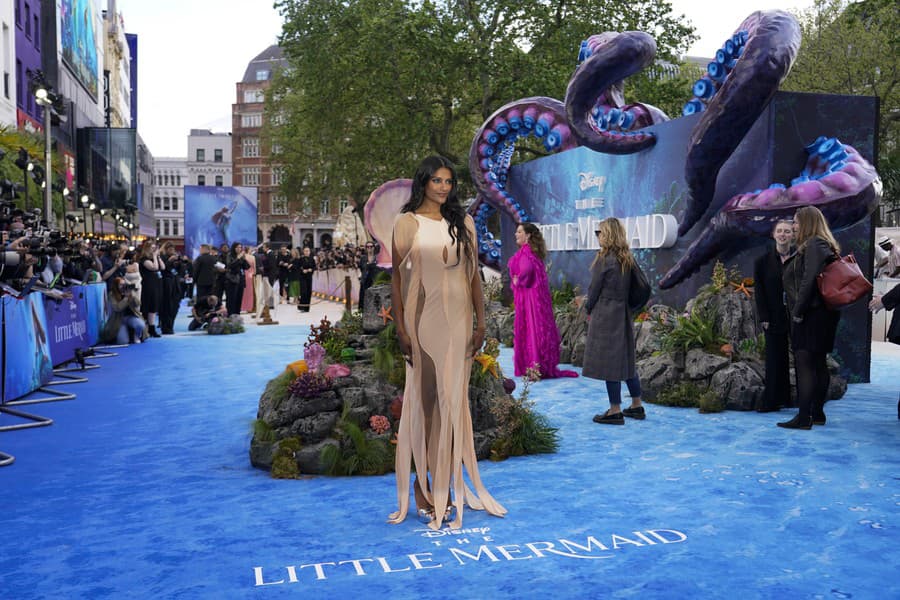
point(710, 403)
point(284, 464)
point(684, 394)
point(278, 387)
point(696, 330)
point(356, 454)
point(564, 294)
point(387, 359)
point(382, 278)
point(522, 430)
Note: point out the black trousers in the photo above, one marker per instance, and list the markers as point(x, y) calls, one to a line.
point(234, 292)
point(778, 382)
point(812, 381)
point(168, 306)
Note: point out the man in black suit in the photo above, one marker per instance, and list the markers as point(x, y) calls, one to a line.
point(773, 317)
point(205, 271)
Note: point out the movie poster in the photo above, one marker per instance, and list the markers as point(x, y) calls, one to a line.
point(79, 28)
point(218, 215)
point(26, 346)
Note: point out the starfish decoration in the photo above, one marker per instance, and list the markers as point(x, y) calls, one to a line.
point(385, 314)
point(488, 363)
point(741, 287)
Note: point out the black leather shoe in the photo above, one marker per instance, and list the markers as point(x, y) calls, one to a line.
point(819, 418)
point(635, 413)
point(798, 422)
point(608, 419)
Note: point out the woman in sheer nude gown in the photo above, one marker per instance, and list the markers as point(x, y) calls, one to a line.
point(435, 289)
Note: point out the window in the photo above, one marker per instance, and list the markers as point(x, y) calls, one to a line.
point(166, 179)
point(20, 89)
point(158, 227)
point(37, 33)
point(250, 147)
point(201, 155)
point(325, 206)
point(251, 120)
point(27, 21)
point(262, 75)
point(342, 205)
point(6, 85)
point(165, 204)
point(251, 176)
point(219, 181)
point(253, 96)
point(279, 205)
point(175, 227)
point(166, 227)
point(201, 180)
point(157, 205)
point(178, 180)
point(217, 155)
point(277, 175)
point(276, 148)
point(18, 14)
point(174, 203)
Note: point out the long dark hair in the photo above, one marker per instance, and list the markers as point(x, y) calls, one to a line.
point(452, 209)
point(535, 239)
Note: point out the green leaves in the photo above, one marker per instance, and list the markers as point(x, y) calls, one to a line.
point(375, 85)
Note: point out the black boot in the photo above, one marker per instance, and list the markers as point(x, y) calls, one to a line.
point(798, 422)
point(153, 332)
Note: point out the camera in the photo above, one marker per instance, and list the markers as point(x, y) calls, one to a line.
point(129, 287)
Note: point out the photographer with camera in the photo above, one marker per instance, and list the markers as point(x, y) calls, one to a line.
point(125, 324)
point(205, 309)
point(235, 265)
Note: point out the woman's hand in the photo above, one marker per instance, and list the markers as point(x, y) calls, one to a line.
point(477, 340)
point(405, 346)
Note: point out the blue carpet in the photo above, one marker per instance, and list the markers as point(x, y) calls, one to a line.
point(142, 488)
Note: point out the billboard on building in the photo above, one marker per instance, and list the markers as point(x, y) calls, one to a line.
point(218, 215)
point(79, 27)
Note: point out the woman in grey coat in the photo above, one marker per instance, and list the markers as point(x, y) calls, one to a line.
point(609, 349)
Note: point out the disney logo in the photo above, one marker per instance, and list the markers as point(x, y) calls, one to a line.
point(589, 180)
point(430, 533)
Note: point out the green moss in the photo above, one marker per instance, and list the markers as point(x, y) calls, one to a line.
point(709, 403)
point(284, 463)
point(685, 394)
point(262, 432)
point(387, 359)
point(278, 387)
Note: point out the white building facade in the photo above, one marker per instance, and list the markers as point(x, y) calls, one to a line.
point(170, 175)
point(209, 158)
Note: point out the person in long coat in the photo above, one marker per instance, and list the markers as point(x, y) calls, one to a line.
point(609, 350)
point(773, 317)
point(890, 301)
point(813, 324)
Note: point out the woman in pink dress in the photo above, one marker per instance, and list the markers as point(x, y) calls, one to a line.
point(535, 336)
point(247, 300)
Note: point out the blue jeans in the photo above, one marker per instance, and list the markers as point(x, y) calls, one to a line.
point(614, 390)
point(128, 325)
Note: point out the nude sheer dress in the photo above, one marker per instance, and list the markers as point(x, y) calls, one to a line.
point(435, 436)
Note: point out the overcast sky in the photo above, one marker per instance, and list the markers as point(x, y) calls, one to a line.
point(191, 54)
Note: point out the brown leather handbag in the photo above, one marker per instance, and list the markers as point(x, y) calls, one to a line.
point(842, 283)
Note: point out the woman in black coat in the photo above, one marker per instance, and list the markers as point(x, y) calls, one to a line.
point(773, 317)
point(609, 348)
point(813, 325)
point(307, 265)
point(234, 278)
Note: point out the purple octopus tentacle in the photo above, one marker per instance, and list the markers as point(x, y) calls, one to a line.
point(594, 99)
point(489, 247)
point(836, 180)
point(773, 39)
point(494, 144)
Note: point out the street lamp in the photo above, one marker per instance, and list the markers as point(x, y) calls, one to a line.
point(92, 207)
point(101, 212)
point(44, 96)
point(84, 203)
point(24, 163)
